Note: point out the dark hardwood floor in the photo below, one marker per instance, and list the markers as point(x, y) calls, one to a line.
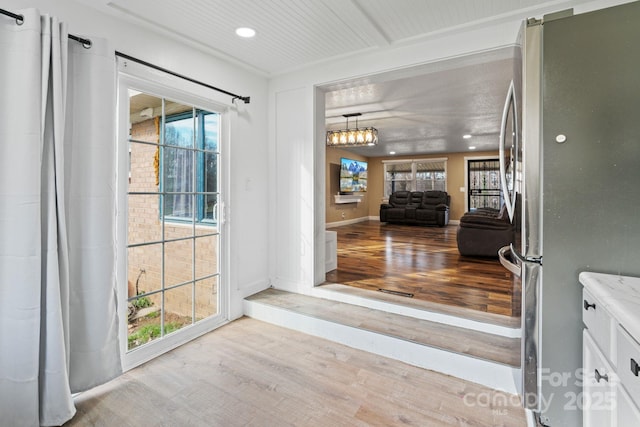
point(424, 262)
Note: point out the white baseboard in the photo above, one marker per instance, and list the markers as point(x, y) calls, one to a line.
point(370, 218)
point(349, 221)
point(252, 287)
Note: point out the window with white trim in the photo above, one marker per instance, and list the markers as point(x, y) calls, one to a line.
point(190, 166)
point(431, 175)
point(415, 175)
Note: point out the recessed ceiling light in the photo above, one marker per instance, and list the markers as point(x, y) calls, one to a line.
point(467, 136)
point(472, 148)
point(245, 32)
point(392, 152)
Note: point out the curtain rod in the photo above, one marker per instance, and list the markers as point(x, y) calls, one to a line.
point(20, 20)
point(246, 99)
point(87, 44)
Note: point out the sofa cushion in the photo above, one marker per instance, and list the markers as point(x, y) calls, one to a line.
point(485, 218)
point(486, 224)
point(399, 198)
point(482, 241)
point(416, 198)
point(433, 198)
point(426, 214)
point(483, 231)
point(395, 213)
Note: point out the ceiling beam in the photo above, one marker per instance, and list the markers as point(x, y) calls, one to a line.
point(352, 14)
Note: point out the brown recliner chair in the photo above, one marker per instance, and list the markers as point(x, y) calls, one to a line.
point(483, 232)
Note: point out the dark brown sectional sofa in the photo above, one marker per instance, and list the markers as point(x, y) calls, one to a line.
point(417, 207)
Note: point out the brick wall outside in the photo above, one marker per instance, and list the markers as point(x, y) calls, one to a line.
point(145, 226)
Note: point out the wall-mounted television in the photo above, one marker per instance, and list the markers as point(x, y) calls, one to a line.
point(353, 175)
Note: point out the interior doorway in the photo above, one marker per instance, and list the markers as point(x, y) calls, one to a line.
point(414, 118)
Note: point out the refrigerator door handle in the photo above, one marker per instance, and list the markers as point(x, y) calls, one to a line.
point(503, 255)
point(522, 258)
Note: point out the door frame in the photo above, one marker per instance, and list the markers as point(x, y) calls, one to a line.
point(466, 175)
point(141, 78)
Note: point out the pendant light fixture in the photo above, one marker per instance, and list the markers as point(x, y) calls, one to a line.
point(352, 137)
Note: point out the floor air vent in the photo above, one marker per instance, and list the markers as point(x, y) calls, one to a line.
point(402, 294)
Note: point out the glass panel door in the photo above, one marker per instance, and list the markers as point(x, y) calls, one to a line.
point(484, 184)
point(173, 249)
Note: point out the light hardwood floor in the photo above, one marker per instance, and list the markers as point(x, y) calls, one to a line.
point(250, 373)
point(424, 262)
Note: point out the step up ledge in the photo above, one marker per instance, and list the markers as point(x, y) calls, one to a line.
point(490, 374)
point(423, 314)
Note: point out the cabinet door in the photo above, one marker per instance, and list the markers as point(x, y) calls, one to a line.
point(600, 324)
point(628, 413)
point(599, 389)
point(628, 355)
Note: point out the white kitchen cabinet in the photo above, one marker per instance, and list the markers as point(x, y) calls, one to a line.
point(611, 352)
point(598, 391)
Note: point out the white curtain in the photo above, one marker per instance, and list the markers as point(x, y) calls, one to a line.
point(58, 319)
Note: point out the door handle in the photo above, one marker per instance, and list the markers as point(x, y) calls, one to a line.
point(523, 259)
point(599, 377)
point(587, 306)
point(513, 268)
point(634, 367)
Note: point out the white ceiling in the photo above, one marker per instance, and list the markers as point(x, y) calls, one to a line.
point(430, 110)
point(425, 110)
point(296, 33)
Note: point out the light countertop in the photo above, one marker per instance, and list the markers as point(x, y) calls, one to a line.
point(619, 295)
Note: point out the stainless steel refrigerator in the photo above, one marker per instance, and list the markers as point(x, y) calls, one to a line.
point(571, 174)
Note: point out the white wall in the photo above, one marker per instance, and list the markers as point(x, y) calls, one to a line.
point(294, 174)
point(301, 111)
point(248, 198)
